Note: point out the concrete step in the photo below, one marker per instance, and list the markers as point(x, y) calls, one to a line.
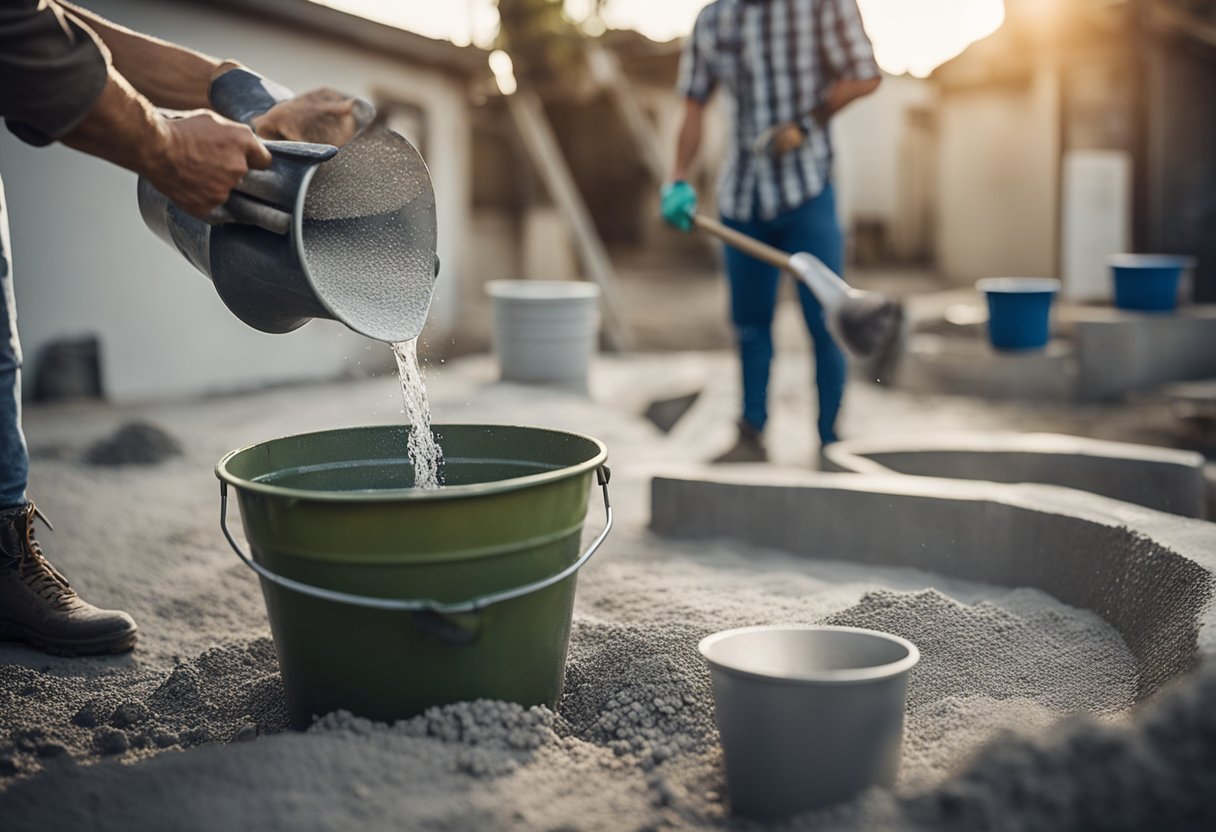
point(969, 366)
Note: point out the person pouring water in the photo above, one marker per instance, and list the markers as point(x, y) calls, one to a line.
point(68, 76)
point(789, 66)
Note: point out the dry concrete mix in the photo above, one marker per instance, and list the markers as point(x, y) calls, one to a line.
point(190, 731)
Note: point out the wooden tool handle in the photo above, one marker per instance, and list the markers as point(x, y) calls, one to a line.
point(747, 245)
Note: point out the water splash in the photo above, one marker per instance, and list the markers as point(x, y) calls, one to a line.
point(422, 448)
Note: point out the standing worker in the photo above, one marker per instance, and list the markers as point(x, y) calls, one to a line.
point(67, 75)
point(789, 66)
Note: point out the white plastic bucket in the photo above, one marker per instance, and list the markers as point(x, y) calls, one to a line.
point(545, 330)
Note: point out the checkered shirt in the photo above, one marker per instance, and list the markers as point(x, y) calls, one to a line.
point(778, 59)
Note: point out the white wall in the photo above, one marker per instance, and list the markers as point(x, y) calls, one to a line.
point(867, 138)
point(85, 263)
point(1095, 221)
point(998, 180)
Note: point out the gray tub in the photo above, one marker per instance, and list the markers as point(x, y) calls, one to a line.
point(808, 716)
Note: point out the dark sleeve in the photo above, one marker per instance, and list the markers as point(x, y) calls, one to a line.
point(696, 79)
point(52, 69)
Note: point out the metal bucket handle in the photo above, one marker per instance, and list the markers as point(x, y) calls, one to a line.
point(431, 615)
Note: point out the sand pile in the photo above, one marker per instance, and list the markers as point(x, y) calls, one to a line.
point(977, 677)
point(1158, 772)
point(228, 693)
point(633, 744)
point(135, 443)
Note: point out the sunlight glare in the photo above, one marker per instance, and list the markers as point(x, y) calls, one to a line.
point(917, 36)
point(912, 36)
point(504, 71)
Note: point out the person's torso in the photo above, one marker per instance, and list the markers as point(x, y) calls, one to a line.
point(765, 55)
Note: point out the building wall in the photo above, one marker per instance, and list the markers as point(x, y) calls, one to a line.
point(998, 171)
point(1178, 207)
point(84, 263)
point(876, 163)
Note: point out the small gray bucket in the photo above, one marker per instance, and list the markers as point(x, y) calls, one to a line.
point(545, 330)
point(808, 716)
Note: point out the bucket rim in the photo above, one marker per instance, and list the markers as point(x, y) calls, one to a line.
point(1150, 261)
point(355, 323)
point(566, 290)
point(842, 676)
point(1018, 285)
point(382, 495)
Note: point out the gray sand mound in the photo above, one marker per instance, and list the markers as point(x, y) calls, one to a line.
point(633, 745)
point(135, 443)
point(1158, 772)
point(229, 692)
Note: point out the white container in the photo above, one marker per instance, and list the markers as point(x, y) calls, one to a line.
point(808, 716)
point(545, 331)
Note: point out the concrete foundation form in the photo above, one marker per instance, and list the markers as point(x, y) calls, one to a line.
point(1151, 575)
point(1160, 478)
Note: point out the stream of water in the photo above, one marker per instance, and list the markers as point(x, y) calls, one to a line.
point(422, 448)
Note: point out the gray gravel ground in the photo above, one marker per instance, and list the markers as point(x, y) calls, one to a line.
point(188, 732)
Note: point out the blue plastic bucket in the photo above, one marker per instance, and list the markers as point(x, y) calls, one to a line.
point(1147, 282)
point(1019, 311)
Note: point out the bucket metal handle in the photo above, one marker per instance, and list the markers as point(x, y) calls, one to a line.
point(423, 605)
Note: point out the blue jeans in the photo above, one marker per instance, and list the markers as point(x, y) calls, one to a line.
point(811, 227)
point(14, 458)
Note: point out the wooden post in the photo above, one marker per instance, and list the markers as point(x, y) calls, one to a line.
point(528, 113)
point(606, 69)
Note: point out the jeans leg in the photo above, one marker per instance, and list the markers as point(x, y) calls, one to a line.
point(814, 228)
point(14, 457)
point(753, 299)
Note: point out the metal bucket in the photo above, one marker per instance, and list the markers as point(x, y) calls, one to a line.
point(347, 234)
point(808, 716)
point(385, 600)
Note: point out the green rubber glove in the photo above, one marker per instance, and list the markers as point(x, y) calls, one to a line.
point(678, 204)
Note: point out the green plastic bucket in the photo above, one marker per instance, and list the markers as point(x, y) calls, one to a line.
point(385, 600)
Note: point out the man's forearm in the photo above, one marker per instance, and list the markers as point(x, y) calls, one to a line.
point(122, 128)
point(689, 141)
point(842, 93)
point(168, 75)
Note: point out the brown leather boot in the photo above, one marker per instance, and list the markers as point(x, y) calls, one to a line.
point(38, 607)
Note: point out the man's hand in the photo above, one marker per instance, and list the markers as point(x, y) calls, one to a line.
point(201, 158)
point(678, 204)
point(788, 137)
point(195, 160)
point(323, 116)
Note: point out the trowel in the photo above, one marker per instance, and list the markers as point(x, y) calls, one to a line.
point(868, 324)
point(342, 233)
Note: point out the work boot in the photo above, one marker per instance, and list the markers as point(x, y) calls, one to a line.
point(40, 608)
point(748, 447)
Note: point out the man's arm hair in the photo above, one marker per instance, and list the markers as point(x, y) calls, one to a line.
point(122, 127)
point(689, 141)
point(166, 74)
